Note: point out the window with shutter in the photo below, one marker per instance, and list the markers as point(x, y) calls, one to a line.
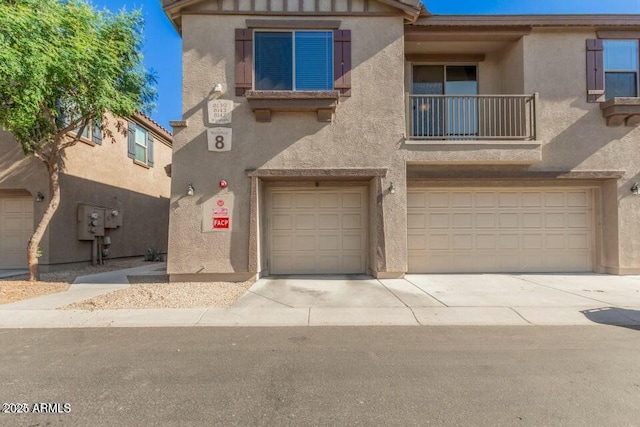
point(293, 60)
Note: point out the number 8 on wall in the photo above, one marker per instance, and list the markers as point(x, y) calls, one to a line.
point(219, 139)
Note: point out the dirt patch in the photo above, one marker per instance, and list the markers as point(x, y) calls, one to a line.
point(17, 291)
point(18, 288)
point(167, 295)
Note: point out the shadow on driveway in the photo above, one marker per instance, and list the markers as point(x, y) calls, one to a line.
point(614, 316)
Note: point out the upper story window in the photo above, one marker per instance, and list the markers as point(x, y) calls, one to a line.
point(293, 60)
point(140, 145)
point(620, 68)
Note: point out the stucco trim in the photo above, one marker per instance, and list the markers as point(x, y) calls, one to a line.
point(178, 123)
point(445, 57)
point(389, 274)
point(583, 20)
point(612, 34)
point(459, 33)
point(293, 23)
point(619, 111)
point(455, 175)
point(622, 271)
point(264, 102)
point(317, 173)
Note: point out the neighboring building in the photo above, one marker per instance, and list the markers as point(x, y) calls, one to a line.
point(369, 136)
point(103, 173)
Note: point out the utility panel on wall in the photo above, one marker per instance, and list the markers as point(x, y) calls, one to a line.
point(90, 222)
point(93, 220)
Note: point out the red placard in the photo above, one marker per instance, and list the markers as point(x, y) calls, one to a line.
point(220, 223)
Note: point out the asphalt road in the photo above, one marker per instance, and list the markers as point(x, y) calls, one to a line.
point(405, 376)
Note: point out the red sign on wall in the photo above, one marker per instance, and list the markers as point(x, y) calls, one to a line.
point(220, 223)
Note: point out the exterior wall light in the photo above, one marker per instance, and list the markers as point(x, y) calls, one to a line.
point(39, 197)
point(635, 188)
point(217, 88)
point(190, 190)
point(392, 189)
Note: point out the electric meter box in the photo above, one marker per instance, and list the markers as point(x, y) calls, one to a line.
point(112, 218)
point(90, 222)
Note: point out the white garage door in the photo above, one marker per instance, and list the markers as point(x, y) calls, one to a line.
point(16, 227)
point(500, 230)
point(317, 231)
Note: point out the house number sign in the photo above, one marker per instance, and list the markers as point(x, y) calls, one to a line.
point(219, 139)
point(220, 111)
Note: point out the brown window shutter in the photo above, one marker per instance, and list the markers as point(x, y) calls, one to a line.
point(595, 70)
point(342, 61)
point(244, 60)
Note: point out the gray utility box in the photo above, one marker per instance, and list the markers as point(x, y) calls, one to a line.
point(93, 220)
point(112, 218)
point(90, 222)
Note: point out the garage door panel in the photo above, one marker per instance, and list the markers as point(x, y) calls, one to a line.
point(462, 220)
point(305, 243)
point(305, 200)
point(329, 221)
point(577, 199)
point(352, 200)
point(417, 221)
point(328, 243)
point(352, 243)
point(461, 200)
point(485, 220)
point(282, 201)
point(16, 227)
point(282, 222)
point(329, 201)
point(321, 232)
point(352, 221)
point(305, 222)
point(500, 230)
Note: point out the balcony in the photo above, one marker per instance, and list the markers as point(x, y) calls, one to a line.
point(472, 129)
point(471, 118)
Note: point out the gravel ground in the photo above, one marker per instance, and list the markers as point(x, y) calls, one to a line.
point(18, 288)
point(167, 295)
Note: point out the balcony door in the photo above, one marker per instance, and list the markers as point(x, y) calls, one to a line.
point(449, 107)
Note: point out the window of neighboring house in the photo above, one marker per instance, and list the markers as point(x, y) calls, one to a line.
point(620, 68)
point(140, 144)
point(293, 60)
point(91, 132)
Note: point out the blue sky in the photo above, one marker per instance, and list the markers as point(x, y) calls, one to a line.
point(162, 47)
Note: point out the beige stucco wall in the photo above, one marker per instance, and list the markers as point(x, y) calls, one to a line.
point(575, 135)
point(100, 175)
point(366, 133)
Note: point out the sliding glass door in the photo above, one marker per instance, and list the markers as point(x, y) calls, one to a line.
point(449, 106)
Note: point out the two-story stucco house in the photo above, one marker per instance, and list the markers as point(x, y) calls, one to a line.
point(369, 136)
point(119, 177)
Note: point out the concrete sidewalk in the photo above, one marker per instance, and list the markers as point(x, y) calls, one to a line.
point(483, 299)
point(83, 288)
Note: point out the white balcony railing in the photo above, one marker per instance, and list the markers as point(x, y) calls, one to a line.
point(471, 117)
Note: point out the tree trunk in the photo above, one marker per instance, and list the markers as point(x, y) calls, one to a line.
point(54, 201)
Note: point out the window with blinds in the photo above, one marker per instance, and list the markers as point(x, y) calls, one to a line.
point(293, 60)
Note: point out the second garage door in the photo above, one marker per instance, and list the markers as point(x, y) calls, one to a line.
point(16, 227)
point(320, 231)
point(500, 230)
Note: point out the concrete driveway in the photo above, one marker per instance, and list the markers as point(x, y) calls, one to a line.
point(461, 299)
